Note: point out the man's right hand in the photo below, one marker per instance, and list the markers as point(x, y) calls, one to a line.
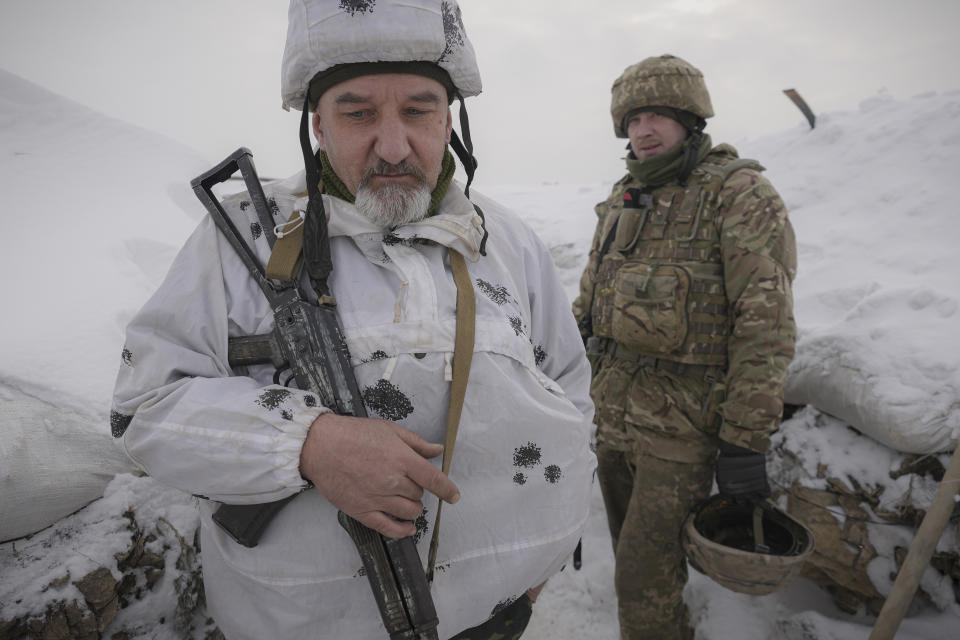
point(373, 470)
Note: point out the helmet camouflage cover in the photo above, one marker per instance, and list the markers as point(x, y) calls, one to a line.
point(660, 81)
point(720, 540)
point(325, 34)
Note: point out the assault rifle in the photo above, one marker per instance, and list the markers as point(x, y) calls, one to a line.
point(308, 341)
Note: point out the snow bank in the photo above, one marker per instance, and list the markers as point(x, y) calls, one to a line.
point(872, 197)
point(95, 210)
point(94, 213)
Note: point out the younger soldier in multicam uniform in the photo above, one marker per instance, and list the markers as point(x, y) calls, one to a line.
point(687, 309)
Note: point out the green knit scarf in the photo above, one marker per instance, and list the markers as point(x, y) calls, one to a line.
point(662, 168)
point(333, 185)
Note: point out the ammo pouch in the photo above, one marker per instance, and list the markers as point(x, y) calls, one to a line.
point(650, 307)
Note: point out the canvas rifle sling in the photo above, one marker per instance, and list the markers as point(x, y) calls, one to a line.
point(462, 357)
point(287, 254)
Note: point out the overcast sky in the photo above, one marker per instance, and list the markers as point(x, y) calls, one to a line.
point(206, 72)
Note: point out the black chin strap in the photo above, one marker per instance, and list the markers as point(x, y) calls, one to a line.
point(690, 156)
point(464, 151)
point(310, 162)
point(694, 124)
point(316, 240)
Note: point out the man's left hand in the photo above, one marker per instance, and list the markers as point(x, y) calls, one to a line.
point(742, 473)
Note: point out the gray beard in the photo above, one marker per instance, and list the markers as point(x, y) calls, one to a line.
point(393, 205)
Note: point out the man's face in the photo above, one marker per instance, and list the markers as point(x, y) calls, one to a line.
point(652, 133)
point(385, 136)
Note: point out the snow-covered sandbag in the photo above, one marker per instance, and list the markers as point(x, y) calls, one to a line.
point(853, 396)
point(888, 367)
point(863, 502)
point(52, 461)
point(126, 566)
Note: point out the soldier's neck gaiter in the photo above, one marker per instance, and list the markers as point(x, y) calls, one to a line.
point(333, 185)
point(663, 168)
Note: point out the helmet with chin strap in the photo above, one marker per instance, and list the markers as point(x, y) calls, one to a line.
point(331, 41)
point(752, 548)
point(661, 83)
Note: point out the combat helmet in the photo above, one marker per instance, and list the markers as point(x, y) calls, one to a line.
point(326, 35)
point(748, 548)
point(661, 81)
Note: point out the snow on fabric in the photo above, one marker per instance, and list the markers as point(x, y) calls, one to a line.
point(87, 202)
point(89, 236)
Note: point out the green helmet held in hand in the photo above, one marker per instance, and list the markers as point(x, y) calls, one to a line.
point(665, 82)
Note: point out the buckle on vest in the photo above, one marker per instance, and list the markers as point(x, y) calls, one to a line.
point(682, 369)
point(595, 346)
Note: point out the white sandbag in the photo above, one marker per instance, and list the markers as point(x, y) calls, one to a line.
point(53, 461)
point(840, 374)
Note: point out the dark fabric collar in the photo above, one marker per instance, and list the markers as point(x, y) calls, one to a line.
point(333, 185)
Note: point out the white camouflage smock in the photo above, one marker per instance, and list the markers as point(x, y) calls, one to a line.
point(522, 460)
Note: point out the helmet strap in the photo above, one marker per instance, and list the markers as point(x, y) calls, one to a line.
point(690, 156)
point(464, 150)
point(316, 243)
point(310, 162)
point(759, 545)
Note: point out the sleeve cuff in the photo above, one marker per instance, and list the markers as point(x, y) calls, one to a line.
point(292, 432)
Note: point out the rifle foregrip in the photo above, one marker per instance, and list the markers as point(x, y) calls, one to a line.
point(246, 523)
point(397, 580)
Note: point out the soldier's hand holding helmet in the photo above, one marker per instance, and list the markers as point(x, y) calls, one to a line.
point(742, 473)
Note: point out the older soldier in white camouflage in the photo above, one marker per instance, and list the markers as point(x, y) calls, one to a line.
point(687, 310)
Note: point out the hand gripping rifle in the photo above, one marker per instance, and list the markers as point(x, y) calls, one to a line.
point(307, 340)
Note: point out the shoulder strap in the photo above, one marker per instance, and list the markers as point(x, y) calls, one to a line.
point(724, 171)
point(287, 255)
point(462, 358)
point(741, 163)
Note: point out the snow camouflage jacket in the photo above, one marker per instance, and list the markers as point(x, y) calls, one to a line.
point(523, 459)
point(702, 278)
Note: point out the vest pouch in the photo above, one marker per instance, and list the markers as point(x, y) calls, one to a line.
point(710, 420)
point(650, 307)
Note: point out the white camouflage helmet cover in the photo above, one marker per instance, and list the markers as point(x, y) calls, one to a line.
point(322, 34)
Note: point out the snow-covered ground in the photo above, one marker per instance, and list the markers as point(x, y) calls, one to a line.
point(95, 209)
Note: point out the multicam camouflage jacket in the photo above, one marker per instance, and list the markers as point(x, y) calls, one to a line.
point(699, 277)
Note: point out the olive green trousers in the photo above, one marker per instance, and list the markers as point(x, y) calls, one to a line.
point(647, 501)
